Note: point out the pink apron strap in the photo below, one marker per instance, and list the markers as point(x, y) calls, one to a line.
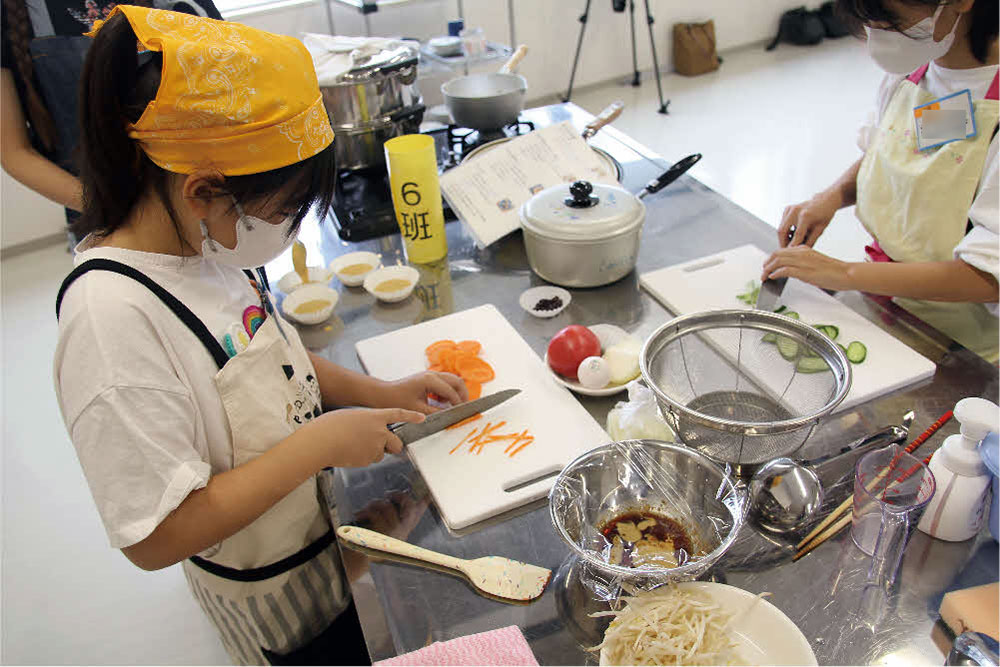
point(876, 254)
point(918, 74)
point(992, 93)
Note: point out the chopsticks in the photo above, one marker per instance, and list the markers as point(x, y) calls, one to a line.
point(834, 522)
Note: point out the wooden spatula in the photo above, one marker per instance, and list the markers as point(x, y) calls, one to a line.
point(493, 575)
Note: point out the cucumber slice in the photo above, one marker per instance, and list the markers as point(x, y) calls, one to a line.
point(788, 348)
point(750, 296)
point(856, 352)
point(770, 337)
point(781, 309)
point(830, 330)
point(811, 365)
point(842, 348)
point(808, 352)
point(792, 314)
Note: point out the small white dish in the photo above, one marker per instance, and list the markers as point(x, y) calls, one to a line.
point(531, 297)
point(291, 281)
point(445, 46)
point(376, 278)
point(350, 259)
point(763, 634)
point(609, 335)
point(310, 292)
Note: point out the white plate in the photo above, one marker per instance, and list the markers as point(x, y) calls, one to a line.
point(361, 257)
point(530, 297)
point(375, 278)
point(764, 636)
point(308, 293)
point(608, 334)
point(291, 280)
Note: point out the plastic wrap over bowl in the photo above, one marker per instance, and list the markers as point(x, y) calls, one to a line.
point(635, 475)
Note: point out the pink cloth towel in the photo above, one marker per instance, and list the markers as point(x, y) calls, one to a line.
point(506, 646)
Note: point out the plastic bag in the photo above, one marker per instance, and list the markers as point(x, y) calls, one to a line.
point(638, 418)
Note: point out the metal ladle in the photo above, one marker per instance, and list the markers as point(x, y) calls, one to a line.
point(785, 495)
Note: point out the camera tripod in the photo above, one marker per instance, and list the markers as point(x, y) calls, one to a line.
point(635, 63)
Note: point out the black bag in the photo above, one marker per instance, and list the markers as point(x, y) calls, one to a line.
point(831, 22)
point(799, 26)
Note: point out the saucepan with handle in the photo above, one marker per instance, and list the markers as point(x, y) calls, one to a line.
point(487, 101)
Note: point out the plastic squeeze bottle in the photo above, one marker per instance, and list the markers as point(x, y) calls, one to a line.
point(958, 508)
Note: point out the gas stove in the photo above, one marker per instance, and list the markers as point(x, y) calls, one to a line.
point(362, 207)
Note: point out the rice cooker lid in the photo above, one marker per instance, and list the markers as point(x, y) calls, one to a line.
point(582, 211)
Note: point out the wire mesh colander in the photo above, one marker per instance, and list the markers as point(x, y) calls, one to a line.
point(744, 386)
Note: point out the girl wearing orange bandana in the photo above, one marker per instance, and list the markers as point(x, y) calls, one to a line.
point(195, 410)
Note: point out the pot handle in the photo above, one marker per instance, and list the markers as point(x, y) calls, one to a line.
point(610, 113)
point(670, 175)
point(515, 60)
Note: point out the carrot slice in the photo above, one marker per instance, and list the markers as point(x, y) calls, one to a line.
point(464, 422)
point(474, 368)
point(475, 389)
point(434, 350)
point(470, 346)
point(437, 368)
point(464, 440)
point(522, 435)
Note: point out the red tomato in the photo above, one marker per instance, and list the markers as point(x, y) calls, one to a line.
point(571, 346)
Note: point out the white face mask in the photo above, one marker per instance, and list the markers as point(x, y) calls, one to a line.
point(257, 241)
point(902, 52)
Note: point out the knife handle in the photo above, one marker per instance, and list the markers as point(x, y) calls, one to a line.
point(369, 539)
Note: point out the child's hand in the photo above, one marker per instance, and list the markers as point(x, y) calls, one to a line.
point(411, 392)
point(804, 223)
point(359, 437)
point(808, 265)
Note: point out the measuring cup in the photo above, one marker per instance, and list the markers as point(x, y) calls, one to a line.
point(890, 487)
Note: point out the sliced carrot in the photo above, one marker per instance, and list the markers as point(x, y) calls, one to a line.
point(464, 440)
point(522, 435)
point(527, 442)
point(475, 389)
point(464, 422)
point(474, 368)
point(437, 368)
point(470, 346)
point(434, 350)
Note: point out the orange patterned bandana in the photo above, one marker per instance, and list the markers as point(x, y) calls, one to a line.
point(231, 98)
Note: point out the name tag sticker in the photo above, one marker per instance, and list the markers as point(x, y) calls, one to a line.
point(944, 120)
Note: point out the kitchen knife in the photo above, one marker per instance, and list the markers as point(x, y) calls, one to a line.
point(770, 292)
point(670, 175)
point(441, 420)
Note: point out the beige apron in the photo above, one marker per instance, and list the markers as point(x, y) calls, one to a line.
point(916, 204)
point(278, 583)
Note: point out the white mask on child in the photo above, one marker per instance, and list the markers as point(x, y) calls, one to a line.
point(257, 241)
point(902, 52)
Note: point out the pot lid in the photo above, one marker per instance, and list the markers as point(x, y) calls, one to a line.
point(381, 62)
point(582, 211)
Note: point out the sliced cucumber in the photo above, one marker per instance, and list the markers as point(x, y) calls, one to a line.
point(781, 309)
point(792, 314)
point(856, 352)
point(808, 351)
point(750, 296)
point(811, 365)
point(788, 348)
point(770, 338)
point(830, 330)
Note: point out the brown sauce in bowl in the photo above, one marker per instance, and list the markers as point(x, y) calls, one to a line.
point(638, 538)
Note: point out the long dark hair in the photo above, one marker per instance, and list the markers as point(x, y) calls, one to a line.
point(982, 19)
point(115, 88)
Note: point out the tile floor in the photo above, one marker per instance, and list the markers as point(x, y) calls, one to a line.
point(774, 128)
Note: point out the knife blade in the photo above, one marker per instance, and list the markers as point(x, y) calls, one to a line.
point(770, 292)
point(441, 420)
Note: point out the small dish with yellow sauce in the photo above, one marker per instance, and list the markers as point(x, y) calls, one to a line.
point(352, 268)
point(392, 283)
point(311, 303)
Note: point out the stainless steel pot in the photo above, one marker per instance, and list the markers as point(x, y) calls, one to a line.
point(487, 101)
point(583, 235)
point(375, 101)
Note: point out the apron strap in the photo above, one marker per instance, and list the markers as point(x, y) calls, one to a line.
point(918, 74)
point(184, 313)
point(301, 556)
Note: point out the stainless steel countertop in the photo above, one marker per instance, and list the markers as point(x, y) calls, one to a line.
point(404, 607)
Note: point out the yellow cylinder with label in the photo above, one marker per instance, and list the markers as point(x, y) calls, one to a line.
point(416, 196)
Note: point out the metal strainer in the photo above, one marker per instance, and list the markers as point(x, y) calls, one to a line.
point(744, 386)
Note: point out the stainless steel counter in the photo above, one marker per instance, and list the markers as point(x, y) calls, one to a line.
point(404, 607)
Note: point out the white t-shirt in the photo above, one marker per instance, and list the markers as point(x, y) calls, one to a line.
point(136, 386)
point(981, 246)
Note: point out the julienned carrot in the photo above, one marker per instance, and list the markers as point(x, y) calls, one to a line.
point(464, 440)
point(527, 442)
point(477, 442)
point(464, 422)
point(517, 439)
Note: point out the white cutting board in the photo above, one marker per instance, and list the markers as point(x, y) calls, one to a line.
point(469, 488)
point(712, 283)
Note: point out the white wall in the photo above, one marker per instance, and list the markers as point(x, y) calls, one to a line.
point(548, 27)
